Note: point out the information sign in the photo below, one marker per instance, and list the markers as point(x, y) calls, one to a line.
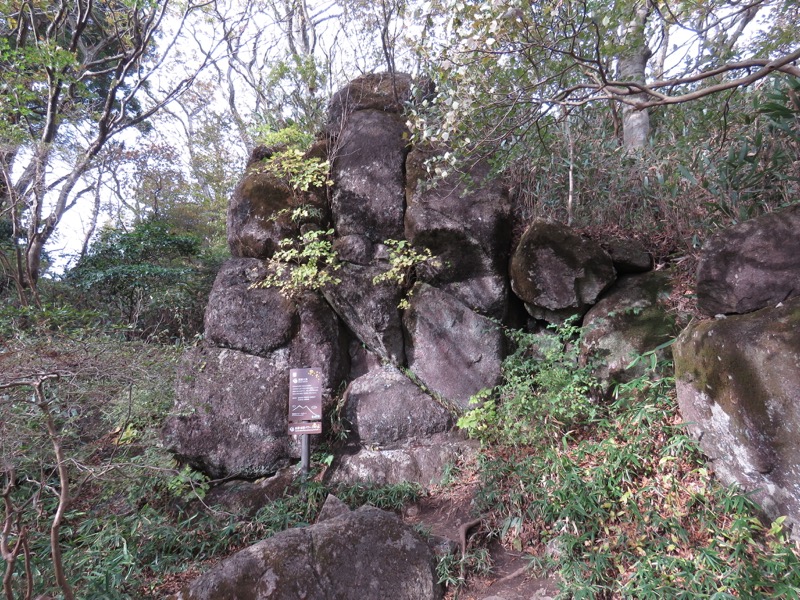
point(305, 395)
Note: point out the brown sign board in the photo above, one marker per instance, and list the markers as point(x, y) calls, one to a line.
point(308, 428)
point(305, 395)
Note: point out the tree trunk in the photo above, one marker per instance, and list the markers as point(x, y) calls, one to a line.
point(631, 68)
point(635, 123)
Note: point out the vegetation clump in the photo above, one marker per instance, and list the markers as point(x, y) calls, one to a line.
point(615, 497)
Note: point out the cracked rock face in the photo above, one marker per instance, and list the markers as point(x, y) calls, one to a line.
point(452, 349)
point(368, 553)
point(738, 382)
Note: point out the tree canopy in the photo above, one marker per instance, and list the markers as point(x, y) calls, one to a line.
point(548, 60)
point(75, 73)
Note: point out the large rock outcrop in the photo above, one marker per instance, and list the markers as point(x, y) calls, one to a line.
point(752, 265)
point(738, 381)
point(557, 273)
point(368, 553)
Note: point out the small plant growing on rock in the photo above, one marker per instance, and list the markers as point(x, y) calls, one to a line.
point(299, 172)
point(306, 263)
point(403, 258)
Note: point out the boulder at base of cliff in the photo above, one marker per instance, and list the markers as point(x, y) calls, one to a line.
point(367, 553)
point(384, 406)
point(738, 381)
point(557, 273)
point(230, 415)
point(424, 461)
point(628, 321)
point(453, 350)
point(750, 266)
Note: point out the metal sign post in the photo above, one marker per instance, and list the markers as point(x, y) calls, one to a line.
point(305, 410)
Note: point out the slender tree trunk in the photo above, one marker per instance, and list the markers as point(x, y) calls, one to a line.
point(635, 122)
point(631, 68)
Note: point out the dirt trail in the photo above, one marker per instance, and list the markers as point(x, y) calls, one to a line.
point(447, 517)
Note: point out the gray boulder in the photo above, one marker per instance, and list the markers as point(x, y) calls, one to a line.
point(253, 320)
point(368, 172)
point(367, 553)
point(385, 406)
point(452, 349)
point(230, 414)
point(557, 273)
point(629, 320)
point(423, 460)
point(752, 265)
point(370, 310)
point(738, 382)
point(467, 230)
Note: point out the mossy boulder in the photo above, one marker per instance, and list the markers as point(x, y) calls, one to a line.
point(374, 91)
point(368, 196)
point(242, 317)
point(370, 310)
point(424, 460)
point(230, 414)
point(629, 320)
point(259, 213)
point(738, 382)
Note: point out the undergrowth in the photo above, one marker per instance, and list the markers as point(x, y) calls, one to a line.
point(614, 496)
point(136, 524)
